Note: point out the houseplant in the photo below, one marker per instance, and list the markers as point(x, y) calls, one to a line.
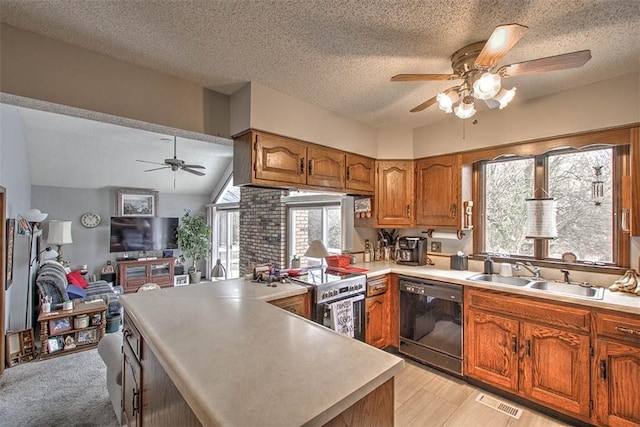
point(193, 241)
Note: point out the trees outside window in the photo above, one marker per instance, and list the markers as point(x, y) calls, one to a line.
point(584, 228)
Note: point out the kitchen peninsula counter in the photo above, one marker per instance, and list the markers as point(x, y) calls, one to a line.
point(238, 361)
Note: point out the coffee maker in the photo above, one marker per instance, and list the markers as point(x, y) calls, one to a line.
point(412, 250)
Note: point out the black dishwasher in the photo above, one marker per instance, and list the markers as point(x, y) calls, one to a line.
point(431, 322)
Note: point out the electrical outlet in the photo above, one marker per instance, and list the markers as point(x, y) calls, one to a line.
point(436, 246)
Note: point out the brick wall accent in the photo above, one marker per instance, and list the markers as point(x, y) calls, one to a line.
point(263, 219)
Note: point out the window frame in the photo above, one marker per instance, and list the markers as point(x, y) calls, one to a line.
point(310, 205)
point(618, 139)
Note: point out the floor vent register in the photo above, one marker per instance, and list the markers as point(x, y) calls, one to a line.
point(499, 406)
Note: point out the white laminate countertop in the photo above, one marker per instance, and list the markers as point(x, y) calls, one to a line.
point(618, 301)
point(239, 361)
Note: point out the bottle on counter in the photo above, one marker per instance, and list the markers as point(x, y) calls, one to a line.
point(367, 251)
point(488, 265)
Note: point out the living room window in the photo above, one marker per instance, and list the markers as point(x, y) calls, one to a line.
point(587, 226)
point(225, 221)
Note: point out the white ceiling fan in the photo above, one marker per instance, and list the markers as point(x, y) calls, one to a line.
point(175, 164)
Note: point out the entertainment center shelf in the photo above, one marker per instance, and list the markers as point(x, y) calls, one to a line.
point(133, 274)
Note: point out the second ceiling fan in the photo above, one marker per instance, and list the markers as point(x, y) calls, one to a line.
point(475, 65)
point(175, 164)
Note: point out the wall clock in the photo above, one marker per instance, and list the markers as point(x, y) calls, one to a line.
point(90, 219)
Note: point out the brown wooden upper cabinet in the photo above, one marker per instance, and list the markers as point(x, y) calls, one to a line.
point(395, 193)
point(361, 174)
point(438, 191)
point(265, 159)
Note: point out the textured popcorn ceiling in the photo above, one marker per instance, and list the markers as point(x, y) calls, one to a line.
point(340, 55)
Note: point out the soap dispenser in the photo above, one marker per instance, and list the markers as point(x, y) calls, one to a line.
point(488, 265)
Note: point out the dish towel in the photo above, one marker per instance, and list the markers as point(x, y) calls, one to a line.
point(342, 317)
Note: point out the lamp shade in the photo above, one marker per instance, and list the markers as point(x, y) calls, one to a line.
point(59, 232)
point(34, 215)
point(219, 270)
point(316, 250)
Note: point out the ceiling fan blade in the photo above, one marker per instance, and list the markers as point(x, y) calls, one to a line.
point(423, 77)
point(193, 166)
point(428, 103)
point(503, 38)
point(146, 161)
point(549, 63)
point(193, 171)
point(157, 169)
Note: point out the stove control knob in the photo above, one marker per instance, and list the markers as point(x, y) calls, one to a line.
point(324, 295)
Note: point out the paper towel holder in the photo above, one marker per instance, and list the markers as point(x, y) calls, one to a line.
point(459, 233)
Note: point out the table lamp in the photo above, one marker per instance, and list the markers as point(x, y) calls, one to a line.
point(317, 250)
point(60, 234)
point(219, 270)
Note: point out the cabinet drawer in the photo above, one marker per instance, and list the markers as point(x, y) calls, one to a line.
point(296, 304)
point(132, 337)
point(563, 316)
point(617, 326)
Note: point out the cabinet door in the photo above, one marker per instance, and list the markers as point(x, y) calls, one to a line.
point(297, 304)
point(492, 349)
point(131, 387)
point(375, 321)
point(360, 174)
point(438, 191)
point(394, 193)
point(280, 159)
point(555, 368)
point(616, 374)
point(325, 167)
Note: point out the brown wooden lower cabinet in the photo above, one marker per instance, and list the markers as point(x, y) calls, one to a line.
point(375, 326)
point(616, 370)
point(546, 363)
point(297, 304)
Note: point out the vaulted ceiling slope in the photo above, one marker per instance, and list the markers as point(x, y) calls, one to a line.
point(337, 54)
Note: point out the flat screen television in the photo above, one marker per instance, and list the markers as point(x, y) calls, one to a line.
point(132, 233)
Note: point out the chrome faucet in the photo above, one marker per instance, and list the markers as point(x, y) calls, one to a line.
point(535, 271)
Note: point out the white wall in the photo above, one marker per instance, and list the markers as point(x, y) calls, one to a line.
point(600, 105)
point(395, 144)
point(282, 114)
point(14, 176)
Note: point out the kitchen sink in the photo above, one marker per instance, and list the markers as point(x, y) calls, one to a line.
point(496, 278)
point(568, 289)
point(542, 285)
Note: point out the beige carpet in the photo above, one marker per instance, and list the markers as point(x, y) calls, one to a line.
point(65, 391)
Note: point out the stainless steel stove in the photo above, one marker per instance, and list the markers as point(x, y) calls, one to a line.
point(329, 285)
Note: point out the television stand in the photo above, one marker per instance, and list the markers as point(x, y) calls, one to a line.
point(133, 274)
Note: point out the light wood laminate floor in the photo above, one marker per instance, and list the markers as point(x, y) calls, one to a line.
point(428, 398)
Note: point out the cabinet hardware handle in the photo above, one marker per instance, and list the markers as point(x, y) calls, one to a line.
point(368, 317)
point(348, 173)
point(454, 211)
point(134, 401)
point(528, 347)
point(302, 165)
point(408, 211)
point(603, 369)
point(310, 168)
point(514, 344)
point(293, 310)
point(625, 220)
point(628, 330)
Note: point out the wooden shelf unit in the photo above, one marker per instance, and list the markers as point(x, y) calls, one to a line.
point(89, 308)
point(133, 274)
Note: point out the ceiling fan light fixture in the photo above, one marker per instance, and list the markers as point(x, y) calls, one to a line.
point(505, 96)
point(445, 102)
point(465, 108)
point(487, 86)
